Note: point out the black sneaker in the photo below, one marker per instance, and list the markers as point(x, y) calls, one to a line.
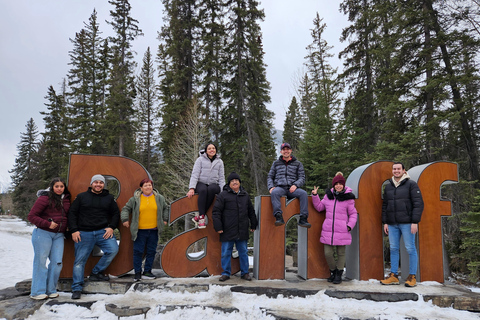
point(98, 277)
point(138, 276)
point(279, 220)
point(303, 222)
point(76, 295)
point(148, 275)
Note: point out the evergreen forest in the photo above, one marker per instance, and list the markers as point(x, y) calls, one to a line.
point(409, 91)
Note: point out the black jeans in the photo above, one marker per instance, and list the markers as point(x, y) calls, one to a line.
point(206, 194)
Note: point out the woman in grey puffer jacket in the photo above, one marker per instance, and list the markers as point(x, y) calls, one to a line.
point(207, 179)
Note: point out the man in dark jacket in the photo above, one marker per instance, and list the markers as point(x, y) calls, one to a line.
point(285, 177)
point(92, 218)
point(233, 217)
point(401, 212)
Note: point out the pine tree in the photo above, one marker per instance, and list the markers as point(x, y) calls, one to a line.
point(176, 67)
point(120, 111)
point(247, 123)
point(26, 173)
point(210, 62)
point(86, 81)
point(317, 147)
point(292, 127)
point(55, 139)
point(147, 110)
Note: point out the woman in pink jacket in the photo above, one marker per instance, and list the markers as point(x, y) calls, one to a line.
point(340, 218)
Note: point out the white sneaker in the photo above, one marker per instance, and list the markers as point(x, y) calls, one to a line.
point(42, 296)
point(53, 295)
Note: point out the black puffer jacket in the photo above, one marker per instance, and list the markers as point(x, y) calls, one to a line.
point(234, 214)
point(91, 211)
point(286, 174)
point(403, 204)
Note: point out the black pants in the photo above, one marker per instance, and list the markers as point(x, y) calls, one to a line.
point(206, 194)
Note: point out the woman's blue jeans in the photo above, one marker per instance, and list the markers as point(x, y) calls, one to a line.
point(46, 245)
point(227, 248)
point(84, 248)
point(145, 238)
point(395, 231)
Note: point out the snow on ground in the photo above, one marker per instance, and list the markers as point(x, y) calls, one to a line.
point(16, 256)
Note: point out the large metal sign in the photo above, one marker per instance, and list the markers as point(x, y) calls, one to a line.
point(365, 258)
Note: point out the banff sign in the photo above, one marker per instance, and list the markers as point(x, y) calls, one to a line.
point(365, 258)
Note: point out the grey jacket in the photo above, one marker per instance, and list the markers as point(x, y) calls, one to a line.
point(133, 208)
point(207, 171)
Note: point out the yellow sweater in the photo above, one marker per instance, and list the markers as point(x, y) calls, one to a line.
point(148, 212)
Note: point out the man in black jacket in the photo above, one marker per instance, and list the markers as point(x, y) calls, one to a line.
point(401, 212)
point(285, 178)
point(233, 217)
point(92, 218)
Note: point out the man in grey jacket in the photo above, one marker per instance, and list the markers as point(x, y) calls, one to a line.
point(285, 178)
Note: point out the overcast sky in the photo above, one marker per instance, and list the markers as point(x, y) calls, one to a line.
point(34, 48)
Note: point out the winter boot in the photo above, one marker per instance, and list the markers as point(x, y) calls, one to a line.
point(303, 222)
point(391, 279)
point(332, 275)
point(279, 219)
point(411, 281)
point(338, 277)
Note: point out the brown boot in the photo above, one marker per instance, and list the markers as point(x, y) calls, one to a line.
point(411, 281)
point(391, 279)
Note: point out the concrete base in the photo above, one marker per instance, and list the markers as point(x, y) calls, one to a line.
point(15, 303)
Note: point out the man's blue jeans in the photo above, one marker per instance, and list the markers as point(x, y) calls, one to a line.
point(84, 248)
point(227, 248)
point(284, 191)
point(46, 245)
point(395, 231)
point(148, 237)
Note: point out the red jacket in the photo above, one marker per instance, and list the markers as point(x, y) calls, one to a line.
point(42, 211)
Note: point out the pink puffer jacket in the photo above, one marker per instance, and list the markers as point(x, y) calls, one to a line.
point(340, 214)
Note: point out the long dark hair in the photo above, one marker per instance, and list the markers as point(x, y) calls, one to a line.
point(55, 200)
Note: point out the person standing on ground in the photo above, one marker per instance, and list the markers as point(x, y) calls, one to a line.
point(207, 179)
point(401, 212)
point(285, 177)
point(49, 215)
point(148, 212)
point(92, 218)
point(233, 217)
point(340, 218)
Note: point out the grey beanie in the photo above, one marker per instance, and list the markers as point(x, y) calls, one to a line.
point(97, 177)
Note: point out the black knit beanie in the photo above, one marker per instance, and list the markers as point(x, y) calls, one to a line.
point(232, 176)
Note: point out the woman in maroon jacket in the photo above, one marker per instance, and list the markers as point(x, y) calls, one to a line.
point(49, 215)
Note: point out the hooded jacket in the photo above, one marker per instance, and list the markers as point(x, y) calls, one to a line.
point(234, 214)
point(340, 213)
point(90, 211)
point(286, 174)
point(207, 171)
point(42, 211)
point(133, 208)
point(402, 204)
